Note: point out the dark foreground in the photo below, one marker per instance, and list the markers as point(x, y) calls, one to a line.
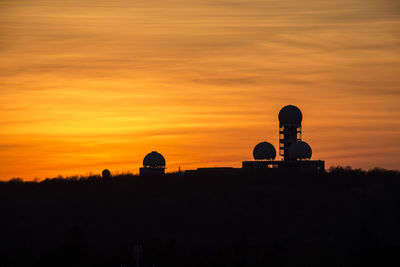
point(342, 218)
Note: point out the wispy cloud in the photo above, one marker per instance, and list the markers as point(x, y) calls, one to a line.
point(194, 78)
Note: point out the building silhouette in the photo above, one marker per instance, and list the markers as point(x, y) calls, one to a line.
point(296, 153)
point(153, 164)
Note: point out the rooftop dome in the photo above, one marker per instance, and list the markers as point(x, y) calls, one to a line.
point(290, 115)
point(264, 150)
point(154, 160)
point(106, 173)
point(300, 150)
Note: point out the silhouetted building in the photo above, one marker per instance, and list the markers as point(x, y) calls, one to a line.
point(295, 152)
point(290, 118)
point(153, 164)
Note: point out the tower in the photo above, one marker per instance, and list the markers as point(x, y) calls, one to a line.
point(296, 154)
point(290, 118)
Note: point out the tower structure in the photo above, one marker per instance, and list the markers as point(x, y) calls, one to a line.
point(296, 154)
point(290, 118)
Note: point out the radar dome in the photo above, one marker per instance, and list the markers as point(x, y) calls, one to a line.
point(290, 115)
point(300, 150)
point(154, 160)
point(106, 173)
point(264, 150)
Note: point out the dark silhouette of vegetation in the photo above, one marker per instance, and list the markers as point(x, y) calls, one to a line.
point(345, 217)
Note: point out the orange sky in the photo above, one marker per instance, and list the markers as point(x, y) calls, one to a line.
point(93, 84)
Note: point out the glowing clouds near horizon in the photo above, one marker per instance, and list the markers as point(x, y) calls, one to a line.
point(92, 84)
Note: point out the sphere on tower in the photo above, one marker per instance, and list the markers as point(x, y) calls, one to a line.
point(290, 118)
point(300, 150)
point(290, 115)
point(106, 173)
point(154, 160)
point(264, 151)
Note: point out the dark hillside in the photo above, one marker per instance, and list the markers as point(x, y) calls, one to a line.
point(341, 218)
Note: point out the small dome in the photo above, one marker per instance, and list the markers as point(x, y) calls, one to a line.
point(154, 160)
point(264, 150)
point(290, 115)
point(300, 150)
point(106, 173)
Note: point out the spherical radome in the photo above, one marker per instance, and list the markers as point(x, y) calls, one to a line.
point(154, 160)
point(290, 115)
point(300, 150)
point(264, 150)
point(106, 173)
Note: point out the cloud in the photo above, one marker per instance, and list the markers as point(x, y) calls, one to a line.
point(209, 74)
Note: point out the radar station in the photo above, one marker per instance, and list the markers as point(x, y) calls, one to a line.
point(296, 154)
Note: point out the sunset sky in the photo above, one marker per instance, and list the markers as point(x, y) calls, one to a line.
point(93, 84)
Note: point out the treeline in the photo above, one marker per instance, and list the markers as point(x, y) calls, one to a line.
point(344, 217)
point(333, 172)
